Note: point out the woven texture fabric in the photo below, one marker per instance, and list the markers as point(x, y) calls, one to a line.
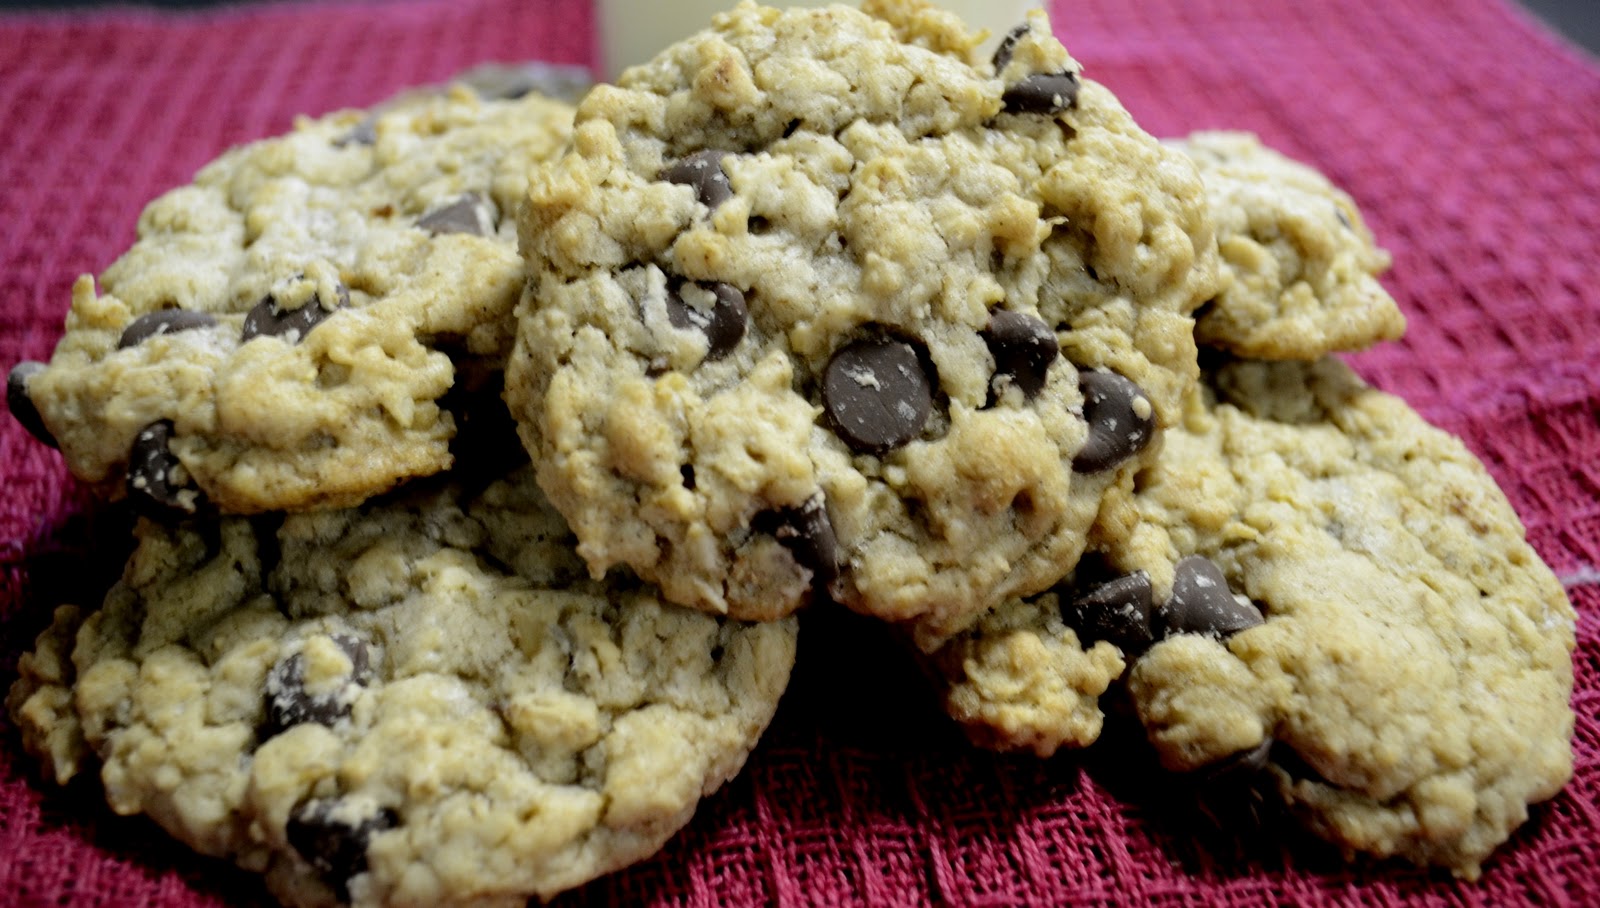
point(1469, 135)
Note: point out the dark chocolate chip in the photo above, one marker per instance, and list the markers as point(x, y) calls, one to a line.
point(469, 213)
point(1235, 768)
point(723, 326)
point(1117, 611)
point(877, 394)
point(808, 534)
point(289, 704)
point(266, 319)
point(21, 405)
point(363, 133)
point(1042, 93)
point(1120, 417)
point(1235, 795)
point(1008, 44)
point(162, 321)
point(1201, 603)
point(333, 844)
point(1023, 348)
point(153, 471)
point(702, 170)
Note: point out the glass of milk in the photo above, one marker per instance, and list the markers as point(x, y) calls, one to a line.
point(633, 31)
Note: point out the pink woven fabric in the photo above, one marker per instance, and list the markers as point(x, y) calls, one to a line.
point(1470, 136)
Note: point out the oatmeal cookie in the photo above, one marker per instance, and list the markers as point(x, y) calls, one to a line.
point(420, 701)
point(822, 302)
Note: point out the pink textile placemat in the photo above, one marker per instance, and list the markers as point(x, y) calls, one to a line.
point(1470, 136)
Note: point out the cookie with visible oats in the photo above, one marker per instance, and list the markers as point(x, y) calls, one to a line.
point(420, 701)
point(824, 303)
point(1319, 594)
point(283, 332)
point(1300, 267)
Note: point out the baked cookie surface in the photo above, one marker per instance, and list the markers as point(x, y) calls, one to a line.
point(420, 701)
point(1299, 265)
point(1312, 584)
point(824, 303)
point(281, 333)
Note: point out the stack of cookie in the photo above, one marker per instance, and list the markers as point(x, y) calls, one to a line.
point(487, 452)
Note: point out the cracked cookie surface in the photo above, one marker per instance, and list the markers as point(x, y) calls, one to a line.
point(1299, 266)
point(282, 331)
point(1312, 583)
point(420, 701)
point(823, 302)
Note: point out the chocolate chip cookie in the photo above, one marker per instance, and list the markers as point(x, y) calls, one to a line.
point(824, 303)
point(1300, 267)
point(419, 701)
point(283, 331)
point(1314, 585)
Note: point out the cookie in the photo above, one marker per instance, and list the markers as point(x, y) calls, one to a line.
point(419, 701)
point(283, 332)
point(1300, 267)
point(1313, 585)
point(824, 303)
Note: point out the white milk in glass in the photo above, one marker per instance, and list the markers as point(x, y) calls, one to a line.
point(633, 31)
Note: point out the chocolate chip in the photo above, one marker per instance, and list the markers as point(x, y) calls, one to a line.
point(1235, 796)
point(1236, 768)
point(1121, 420)
point(1344, 219)
point(1008, 44)
point(1201, 603)
point(1042, 93)
point(155, 485)
point(808, 534)
point(363, 133)
point(723, 325)
point(289, 704)
point(335, 844)
point(469, 213)
point(266, 319)
point(877, 394)
point(163, 321)
point(702, 170)
point(1117, 611)
point(21, 405)
point(1023, 348)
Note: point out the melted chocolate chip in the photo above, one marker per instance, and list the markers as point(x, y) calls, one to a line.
point(1023, 348)
point(808, 534)
point(877, 394)
point(1117, 611)
point(21, 405)
point(163, 321)
point(1008, 45)
point(1201, 603)
point(333, 844)
point(154, 485)
point(1121, 421)
point(289, 704)
point(266, 319)
point(1042, 93)
point(723, 326)
point(469, 213)
point(702, 170)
